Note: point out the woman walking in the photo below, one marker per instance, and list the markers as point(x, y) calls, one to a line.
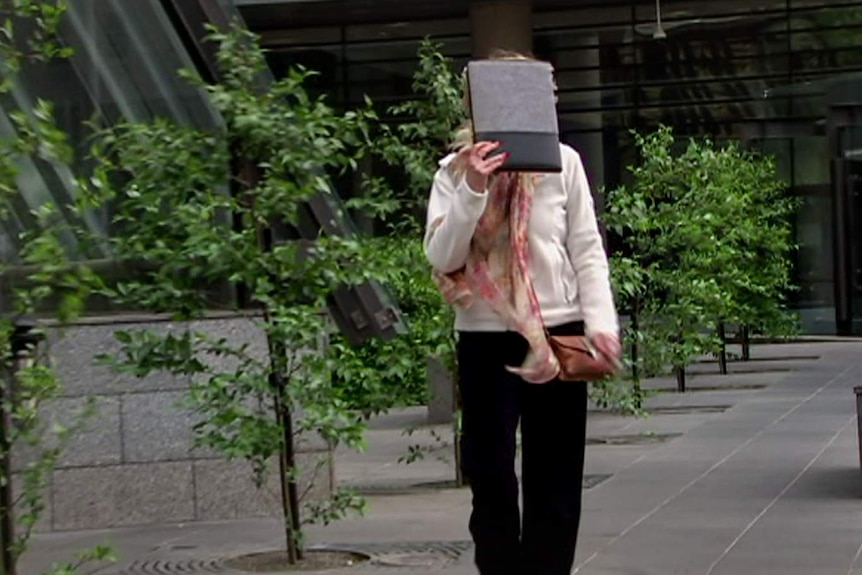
point(517, 254)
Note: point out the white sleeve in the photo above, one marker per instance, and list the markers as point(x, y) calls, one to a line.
point(590, 262)
point(453, 212)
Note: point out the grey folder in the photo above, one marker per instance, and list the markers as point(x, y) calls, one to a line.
point(513, 102)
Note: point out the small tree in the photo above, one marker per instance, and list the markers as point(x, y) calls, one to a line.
point(706, 239)
point(408, 148)
point(759, 236)
point(187, 223)
point(44, 283)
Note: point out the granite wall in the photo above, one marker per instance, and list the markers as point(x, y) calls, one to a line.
point(135, 463)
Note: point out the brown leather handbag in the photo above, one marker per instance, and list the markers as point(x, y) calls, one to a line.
point(578, 358)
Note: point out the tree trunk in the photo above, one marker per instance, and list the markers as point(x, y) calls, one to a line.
point(722, 353)
point(249, 176)
point(680, 379)
point(746, 344)
point(634, 351)
point(636, 380)
point(22, 343)
point(7, 522)
point(460, 480)
point(287, 465)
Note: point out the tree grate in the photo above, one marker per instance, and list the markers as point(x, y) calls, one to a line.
point(422, 554)
point(453, 549)
point(384, 556)
point(178, 567)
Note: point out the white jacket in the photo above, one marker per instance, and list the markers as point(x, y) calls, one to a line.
point(568, 264)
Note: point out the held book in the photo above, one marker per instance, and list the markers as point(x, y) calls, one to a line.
point(513, 102)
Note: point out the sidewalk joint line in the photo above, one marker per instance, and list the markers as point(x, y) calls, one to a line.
point(772, 503)
point(855, 561)
point(715, 466)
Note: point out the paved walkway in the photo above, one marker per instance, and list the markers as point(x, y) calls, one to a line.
point(751, 474)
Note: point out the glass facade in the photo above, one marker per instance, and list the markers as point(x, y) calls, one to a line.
point(758, 72)
point(125, 63)
point(377, 60)
point(781, 76)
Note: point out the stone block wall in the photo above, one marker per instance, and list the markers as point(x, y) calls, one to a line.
point(135, 463)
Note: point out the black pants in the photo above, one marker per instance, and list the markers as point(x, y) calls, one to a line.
point(553, 431)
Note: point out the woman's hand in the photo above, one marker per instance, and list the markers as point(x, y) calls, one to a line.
point(608, 346)
point(480, 166)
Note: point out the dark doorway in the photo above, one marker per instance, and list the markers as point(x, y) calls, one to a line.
point(845, 136)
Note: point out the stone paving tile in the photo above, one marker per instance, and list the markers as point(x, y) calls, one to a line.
point(768, 486)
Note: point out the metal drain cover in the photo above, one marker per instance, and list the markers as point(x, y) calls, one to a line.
point(704, 388)
point(426, 560)
point(412, 487)
point(167, 567)
point(591, 480)
point(404, 487)
point(689, 409)
point(634, 439)
point(420, 554)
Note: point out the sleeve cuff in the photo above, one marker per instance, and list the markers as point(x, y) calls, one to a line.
point(472, 204)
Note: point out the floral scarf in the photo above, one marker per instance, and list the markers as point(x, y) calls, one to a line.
point(497, 270)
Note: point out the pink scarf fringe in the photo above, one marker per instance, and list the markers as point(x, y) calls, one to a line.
point(497, 270)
